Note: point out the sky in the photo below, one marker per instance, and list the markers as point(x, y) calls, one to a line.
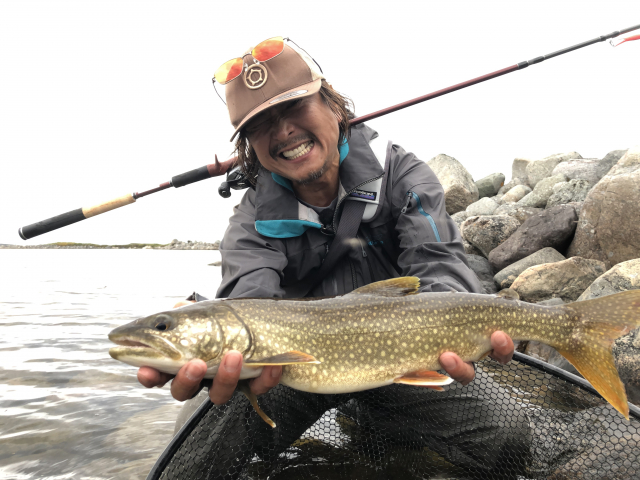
point(103, 98)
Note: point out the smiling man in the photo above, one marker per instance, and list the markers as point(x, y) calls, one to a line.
point(333, 208)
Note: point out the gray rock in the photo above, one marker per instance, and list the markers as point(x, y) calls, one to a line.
point(515, 194)
point(622, 277)
point(489, 186)
point(589, 169)
point(486, 232)
point(571, 191)
point(484, 206)
point(550, 228)
point(543, 190)
point(482, 269)
point(566, 279)
point(605, 231)
point(460, 217)
point(540, 169)
point(516, 211)
point(552, 302)
point(470, 249)
point(519, 168)
point(613, 157)
point(512, 183)
point(460, 190)
point(504, 278)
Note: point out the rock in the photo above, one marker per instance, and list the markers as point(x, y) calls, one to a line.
point(512, 183)
point(626, 350)
point(504, 278)
point(589, 169)
point(604, 231)
point(482, 269)
point(486, 232)
point(552, 302)
point(516, 211)
point(566, 279)
point(515, 194)
point(542, 191)
point(540, 169)
point(613, 157)
point(489, 186)
point(571, 191)
point(484, 206)
point(550, 228)
point(519, 169)
point(460, 190)
point(470, 249)
point(459, 217)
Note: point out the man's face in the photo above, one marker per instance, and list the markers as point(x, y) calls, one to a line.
point(297, 140)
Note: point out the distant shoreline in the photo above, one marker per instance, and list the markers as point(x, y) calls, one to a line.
point(174, 245)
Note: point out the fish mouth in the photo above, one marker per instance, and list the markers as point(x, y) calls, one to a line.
point(141, 344)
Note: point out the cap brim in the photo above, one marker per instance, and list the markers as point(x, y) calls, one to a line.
point(300, 91)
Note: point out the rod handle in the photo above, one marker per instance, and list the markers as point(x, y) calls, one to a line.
point(73, 216)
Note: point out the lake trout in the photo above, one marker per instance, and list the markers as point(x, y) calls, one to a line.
point(377, 335)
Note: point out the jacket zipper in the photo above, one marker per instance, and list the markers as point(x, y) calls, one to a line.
point(410, 195)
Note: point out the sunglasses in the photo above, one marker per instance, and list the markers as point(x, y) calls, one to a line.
point(262, 52)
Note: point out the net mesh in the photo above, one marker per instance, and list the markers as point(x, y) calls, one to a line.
point(516, 421)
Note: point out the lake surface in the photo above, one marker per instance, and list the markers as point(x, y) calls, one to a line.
point(67, 409)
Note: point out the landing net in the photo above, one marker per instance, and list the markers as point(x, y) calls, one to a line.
point(525, 420)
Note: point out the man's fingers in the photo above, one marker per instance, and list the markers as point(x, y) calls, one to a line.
point(150, 377)
point(502, 346)
point(460, 371)
point(188, 379)
point(268, 379)
point(226, 379)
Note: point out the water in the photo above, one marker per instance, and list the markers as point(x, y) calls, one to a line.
point(67, 409)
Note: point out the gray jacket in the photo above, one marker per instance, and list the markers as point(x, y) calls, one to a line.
point(273, 241)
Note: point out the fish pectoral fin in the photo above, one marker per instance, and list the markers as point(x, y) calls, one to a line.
point(290, 358)
point(395, 287)
point(243, 386)
point(425, 378)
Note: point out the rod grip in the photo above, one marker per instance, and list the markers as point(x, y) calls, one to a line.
point(73, 216)
point(193, 176)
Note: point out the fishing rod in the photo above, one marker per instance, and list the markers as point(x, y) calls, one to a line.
point(237, 181)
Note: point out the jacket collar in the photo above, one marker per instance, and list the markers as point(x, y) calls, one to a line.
point(278, 212)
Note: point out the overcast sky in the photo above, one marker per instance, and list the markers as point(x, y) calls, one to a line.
point(98, 99)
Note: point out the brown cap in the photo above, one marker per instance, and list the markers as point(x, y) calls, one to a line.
point(289, 76)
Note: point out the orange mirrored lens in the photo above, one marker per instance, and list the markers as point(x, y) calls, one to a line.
point(268, 49)
point(228, 71)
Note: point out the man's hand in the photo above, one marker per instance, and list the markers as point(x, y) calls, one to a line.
point(464, 372)
point(187, 381)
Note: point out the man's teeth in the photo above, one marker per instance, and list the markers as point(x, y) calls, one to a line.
point(299, 151)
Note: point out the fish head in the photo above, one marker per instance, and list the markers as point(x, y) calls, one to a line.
point(168, 340)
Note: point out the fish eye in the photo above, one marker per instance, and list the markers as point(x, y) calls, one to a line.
point(162, 323)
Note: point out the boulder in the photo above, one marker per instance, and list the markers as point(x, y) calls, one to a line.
point(566, 279)
point(550, 228)
point(626, 350)
point(460, 217)
point(571, 191)
point(489, 186)
point(512, 183)
point(470, 249)
point(519, 169)
point(486, 232)
point(540, 169)
point(460, 190)
point(516, 211)
point(482, 269)
point(604, 230)
point(549, 354)
point(515, 194)
point(589, 169)
point(504, 278)
point(542, 191)
point(484, 206)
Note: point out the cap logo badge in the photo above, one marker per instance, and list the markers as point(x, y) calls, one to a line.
point(255, 76)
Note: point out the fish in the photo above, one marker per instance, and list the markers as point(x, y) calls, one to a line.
point(383, 333)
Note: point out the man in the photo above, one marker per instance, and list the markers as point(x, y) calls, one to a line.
point(309, 168)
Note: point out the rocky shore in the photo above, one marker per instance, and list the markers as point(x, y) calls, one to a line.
point(174, 245)
point(563, 229)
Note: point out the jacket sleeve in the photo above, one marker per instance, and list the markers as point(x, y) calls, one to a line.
point(252, 265)
point(430, 243)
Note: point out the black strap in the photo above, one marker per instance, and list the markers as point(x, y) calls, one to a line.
point(350, 220)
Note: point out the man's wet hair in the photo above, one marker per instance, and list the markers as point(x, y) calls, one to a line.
point(340, 105)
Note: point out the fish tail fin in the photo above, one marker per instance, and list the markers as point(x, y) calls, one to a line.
point(598, 323)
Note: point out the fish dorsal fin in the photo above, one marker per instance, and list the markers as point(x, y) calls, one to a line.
point(396, 287)
point(289, 358)
point(508, 294)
